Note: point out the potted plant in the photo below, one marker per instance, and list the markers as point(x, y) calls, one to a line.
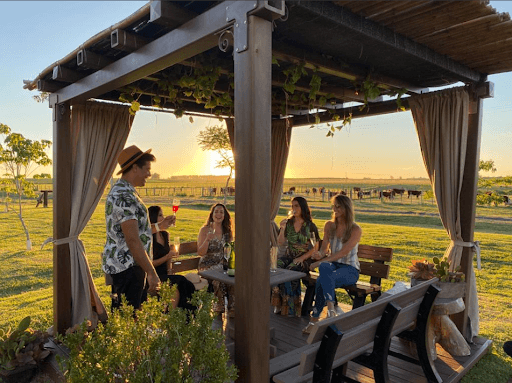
point(21, 352)
point(451, 283)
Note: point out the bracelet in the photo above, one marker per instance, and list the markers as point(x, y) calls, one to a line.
point(156, 227)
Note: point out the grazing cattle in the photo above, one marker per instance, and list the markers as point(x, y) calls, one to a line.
point(307, 191)
point(416, 193)
point(213, 191)
point(356, 189)
point(291, 191)
point(314, 191)
point(229, 191)
point(343, 192)
point(387, 194)
point(506, 200)
point(322, 190)
point(398, 191)
point(362, 194)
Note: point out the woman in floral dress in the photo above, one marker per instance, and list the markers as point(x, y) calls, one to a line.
point(298, 231)
point(216, 232)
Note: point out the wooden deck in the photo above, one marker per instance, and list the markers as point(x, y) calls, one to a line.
point(287, 336)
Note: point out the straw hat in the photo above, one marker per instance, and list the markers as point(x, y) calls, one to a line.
point(196, 279)
point(128, 156)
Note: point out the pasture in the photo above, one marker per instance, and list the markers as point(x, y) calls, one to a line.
point(413, 230)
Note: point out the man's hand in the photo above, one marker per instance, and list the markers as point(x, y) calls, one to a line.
point(153, 283)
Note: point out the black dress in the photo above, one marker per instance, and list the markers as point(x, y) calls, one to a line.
point(184, 286)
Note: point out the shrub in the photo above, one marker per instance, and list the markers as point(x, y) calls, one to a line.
point(176, 346)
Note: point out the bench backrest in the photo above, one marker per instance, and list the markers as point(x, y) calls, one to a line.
point(359, 326)
point(373, 261)
point(190, 263)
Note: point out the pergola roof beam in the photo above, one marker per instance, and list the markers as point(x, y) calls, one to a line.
point(384, 107)
point(193, 37)
point(342, 70)
point(362, 26)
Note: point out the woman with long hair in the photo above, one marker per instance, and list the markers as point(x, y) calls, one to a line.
point(216, 232)
point(301, 236)
point(162, 254)
point(339, 267)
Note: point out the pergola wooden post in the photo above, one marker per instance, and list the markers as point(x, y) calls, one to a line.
point(61, 216)
point(468, 195)
point(252, 196)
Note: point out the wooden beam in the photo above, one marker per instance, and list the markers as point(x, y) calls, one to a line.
point(188, 40)
point(467, 206)
point(49, 86)
point(61, 217)
point(92, 60)
point(63, 74)
point(316, 61)
point(252, 209)
point(357, 25)
point(168, 14)
point(126, 41)
point(384, 107)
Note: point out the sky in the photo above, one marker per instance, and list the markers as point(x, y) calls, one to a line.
point(34, 35)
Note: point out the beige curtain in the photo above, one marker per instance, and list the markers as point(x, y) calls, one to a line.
point(280, 147)
point(281, 136)
point(441, 120)
point(100, 131)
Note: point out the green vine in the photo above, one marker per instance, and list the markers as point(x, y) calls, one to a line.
point(198, 83)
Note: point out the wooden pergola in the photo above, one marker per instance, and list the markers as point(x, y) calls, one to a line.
point(406, 47)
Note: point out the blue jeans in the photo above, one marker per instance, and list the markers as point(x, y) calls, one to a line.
point(332, 275)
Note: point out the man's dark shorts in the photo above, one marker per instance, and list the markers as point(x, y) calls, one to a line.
point(129, 283)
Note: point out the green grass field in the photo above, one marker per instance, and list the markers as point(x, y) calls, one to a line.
point(413, 230)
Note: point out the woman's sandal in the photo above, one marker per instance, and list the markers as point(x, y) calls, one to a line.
point(308, 328)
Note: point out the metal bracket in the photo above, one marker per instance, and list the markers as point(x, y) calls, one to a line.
point(239, 10)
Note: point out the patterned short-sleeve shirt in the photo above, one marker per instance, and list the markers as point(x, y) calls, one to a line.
point(123, 203)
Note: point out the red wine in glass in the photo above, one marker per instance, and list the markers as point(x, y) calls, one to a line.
point(175, 206)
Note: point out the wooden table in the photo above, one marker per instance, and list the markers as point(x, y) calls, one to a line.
point(277, 277)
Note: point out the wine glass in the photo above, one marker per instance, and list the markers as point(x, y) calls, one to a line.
point(273, 259)
point(312, 240)
point(175, 207)
point(227, 252)
point(177, 248)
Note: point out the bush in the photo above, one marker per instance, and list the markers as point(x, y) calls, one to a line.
point(155, 347)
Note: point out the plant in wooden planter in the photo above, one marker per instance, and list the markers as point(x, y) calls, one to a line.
point(451, 283)
point(21, 351)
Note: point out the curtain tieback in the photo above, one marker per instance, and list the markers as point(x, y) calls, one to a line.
point(476, 248)
point(62, 241)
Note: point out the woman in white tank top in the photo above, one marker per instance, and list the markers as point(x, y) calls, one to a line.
point(339, 266)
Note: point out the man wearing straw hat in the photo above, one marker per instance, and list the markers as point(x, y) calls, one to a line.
point(127, 253)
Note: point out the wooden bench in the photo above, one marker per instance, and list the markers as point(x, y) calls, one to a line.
point(363, 336)
point(373, 261)
point(189, 263)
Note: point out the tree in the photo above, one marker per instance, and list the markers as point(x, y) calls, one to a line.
point(155, 176)
point(216, 138)
point(487, 166)
point(19, 155)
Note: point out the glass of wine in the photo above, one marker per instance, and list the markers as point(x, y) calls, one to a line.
point(273, 259)
point(175, 207)
point(176, 244)
point(227, 252)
